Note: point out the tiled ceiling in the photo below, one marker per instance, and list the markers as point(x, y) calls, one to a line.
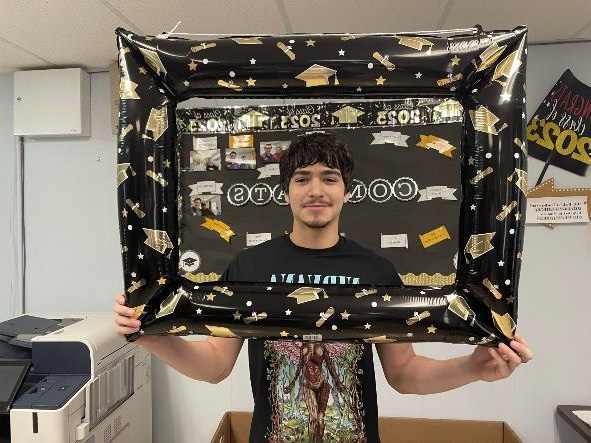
point(36, 34)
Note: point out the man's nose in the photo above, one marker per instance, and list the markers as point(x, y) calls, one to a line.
point(315, 187)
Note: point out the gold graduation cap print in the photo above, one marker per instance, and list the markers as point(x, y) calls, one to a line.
point(508, 66)
point(157, 122)
point(489, 56)
point(127, 89)
point(504, 323)
point(153, 60)
point(485, 121)
point(122, 172)
point(416, 43)
point(479, 244)
point(158, 240)
point(348, 114)
point(252, 119)
point(305, 294)
point(317, 75)
point(221, 331)
point(248, 40)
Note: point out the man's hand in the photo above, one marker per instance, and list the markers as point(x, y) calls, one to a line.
point(126, 323)
point(491, 364)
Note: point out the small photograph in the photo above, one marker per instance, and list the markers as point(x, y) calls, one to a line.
point(205, 160)
point(270, 152)
point(240, 158)
point(206, 205)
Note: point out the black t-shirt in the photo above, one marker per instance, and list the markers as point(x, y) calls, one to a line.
point(301, 389)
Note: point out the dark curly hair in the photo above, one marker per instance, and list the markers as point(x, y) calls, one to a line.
point(305, 150)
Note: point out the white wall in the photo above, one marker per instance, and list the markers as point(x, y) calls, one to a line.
point(74, 264)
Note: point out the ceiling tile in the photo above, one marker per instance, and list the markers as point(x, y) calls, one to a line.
point(204, 16)
point(65, 32)
point(546, 21)
point(14, 59)
point(342, 16)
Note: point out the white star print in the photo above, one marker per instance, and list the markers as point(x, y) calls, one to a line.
point(165, 209)
point(252, 61)
point(186, 83)
point(288, 312)
point(284, 85)
point(501, 263)
point(473, 207)
point(418, 75)
point(367, 326)
point(198, 311)
point(341, 52)
point(140, 256)
point(358, 88)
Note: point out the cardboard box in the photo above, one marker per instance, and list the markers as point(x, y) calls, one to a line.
point(235, 427)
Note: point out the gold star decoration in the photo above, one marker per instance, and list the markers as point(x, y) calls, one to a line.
point(380, 81)
point(161, 280)
point(124, 212)
point(386, 297)
point(517, 216)
point(345, 315)
point(250, 81)
point(143, 70)
point(471, 161)
point(431, 329)
point(237, 315)
point(310, 42)
point(167, 163)
point(284, 333)
point(192, 65)
point(210, 296)
point(455, 60)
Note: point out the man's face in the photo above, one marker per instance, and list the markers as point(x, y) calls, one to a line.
point(197, 203)
point(267, 149)
point(316, 195)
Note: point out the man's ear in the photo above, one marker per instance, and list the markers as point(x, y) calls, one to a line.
point(347, 197)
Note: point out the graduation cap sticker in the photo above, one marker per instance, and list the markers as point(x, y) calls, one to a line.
point(317, 75)
point(348, 114)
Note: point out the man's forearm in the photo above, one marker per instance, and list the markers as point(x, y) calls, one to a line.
point(423, 375)
point(195, 359)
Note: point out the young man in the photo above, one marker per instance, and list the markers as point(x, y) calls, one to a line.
point(292, 382)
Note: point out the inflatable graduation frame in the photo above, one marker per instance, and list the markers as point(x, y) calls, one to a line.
point(484, 71)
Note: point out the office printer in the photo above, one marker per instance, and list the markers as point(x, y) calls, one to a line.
point(72, 378)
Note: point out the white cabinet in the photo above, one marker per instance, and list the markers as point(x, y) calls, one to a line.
point(52, 102)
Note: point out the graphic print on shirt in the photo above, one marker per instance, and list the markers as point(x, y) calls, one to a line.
point(315, 392)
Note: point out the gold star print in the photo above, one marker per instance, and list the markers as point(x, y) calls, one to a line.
point(431, 329)
point(251, 81)
point(310, 42)
point(143, 70)
point(517, 216)
point(386, 297)
point(237, 315)
point(210, 296)
point(380, 81)
point(167, 163)
point(192, 66)
point(124, 212)
point(455, 60)
point(161, 280)
point(345, 315)
point(284, 333)
point(471, 161)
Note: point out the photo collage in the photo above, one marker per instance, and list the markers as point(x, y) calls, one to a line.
point(241, 153)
